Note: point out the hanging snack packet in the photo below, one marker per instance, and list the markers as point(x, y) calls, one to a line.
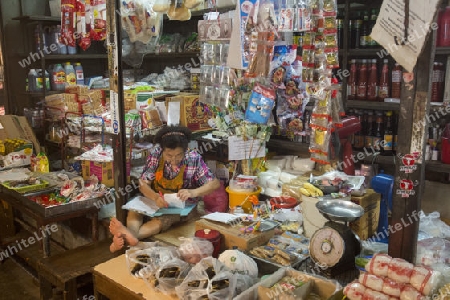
point(83, 32)
point(68, 22)
point(98, 32)
point(260, 104)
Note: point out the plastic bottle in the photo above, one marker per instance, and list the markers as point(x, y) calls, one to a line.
point(369, 130)
point(396, 88)
point(32, 76)
point(58, 78)
point(71, 50)
point(71, 78)
point(383, 91)
point(39, 38)
point(436, 75)
point(62, 48)
point(365, 31)
point(43, 165)
point(378, 131)
point(79, 73)
point(388, 136)
point(441, 85)
point(444, 28)
point(373, 21)
point(361, 93)
point(356, 32)
point(351, 85)
point(372, 84)
point(40, 81)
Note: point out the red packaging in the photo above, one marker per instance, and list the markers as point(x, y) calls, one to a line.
point(68, 22)
point(213, 236)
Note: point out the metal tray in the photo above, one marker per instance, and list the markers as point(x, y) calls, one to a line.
point(340, 210)
point(51, 210)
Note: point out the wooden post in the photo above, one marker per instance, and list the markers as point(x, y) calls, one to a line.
point(408, 187)
point(117, 104)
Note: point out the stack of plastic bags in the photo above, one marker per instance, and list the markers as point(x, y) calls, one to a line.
point(393, 278)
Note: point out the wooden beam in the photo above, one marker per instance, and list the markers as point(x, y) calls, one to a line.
point(415, 102)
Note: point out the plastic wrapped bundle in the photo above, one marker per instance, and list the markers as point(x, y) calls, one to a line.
point(400, 270)
point(424, 279)
point(392, 287)
point(371, 281)
point(171, 274)
point(354, 291)
point(410, 293)
point(379, 264)
point(370, 294)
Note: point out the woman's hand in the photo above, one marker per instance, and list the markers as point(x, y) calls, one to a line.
point(185, 194)
point(161, 202)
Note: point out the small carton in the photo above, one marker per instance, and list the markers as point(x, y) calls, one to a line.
point(232, 236)
point(103, 171)
point(367, 225)
point(267, 289)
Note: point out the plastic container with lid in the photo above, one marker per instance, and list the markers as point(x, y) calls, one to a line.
point(213, 236)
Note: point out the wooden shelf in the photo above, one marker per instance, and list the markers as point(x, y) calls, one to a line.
point(288, 146)
point(372, 105)
point(37, 94)
point(171, 55)
point(437, 166)
point(38, 19)
point(368, 156)
point(75, 56)
point(364, 52)
point(442, 50)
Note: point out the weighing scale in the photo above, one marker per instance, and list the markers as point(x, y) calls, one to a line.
point(334, 246)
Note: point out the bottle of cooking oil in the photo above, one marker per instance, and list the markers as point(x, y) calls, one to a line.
point(43, 165)
point(2, 148)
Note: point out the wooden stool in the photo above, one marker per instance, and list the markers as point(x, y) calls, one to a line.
point(62, 270)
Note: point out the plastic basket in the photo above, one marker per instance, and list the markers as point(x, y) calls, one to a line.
point(29, 188)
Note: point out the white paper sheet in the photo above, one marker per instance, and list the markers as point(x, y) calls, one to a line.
point(173, 113)
point(239, 149)
point(390, 24)
point(174, 201)
point(141, 205)
point(222, 217)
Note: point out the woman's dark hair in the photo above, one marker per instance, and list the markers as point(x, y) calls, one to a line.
point(173, 137)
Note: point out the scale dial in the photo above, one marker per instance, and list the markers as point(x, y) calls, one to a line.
point(327, 246)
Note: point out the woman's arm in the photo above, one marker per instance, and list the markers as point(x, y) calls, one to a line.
point(203, 190)
point(148, 192)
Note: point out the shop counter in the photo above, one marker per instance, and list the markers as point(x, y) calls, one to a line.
point(113, 281)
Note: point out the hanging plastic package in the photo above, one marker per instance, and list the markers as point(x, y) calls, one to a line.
point(68, 22)
point(98, 30)
point(83, 32)
point(178, 11)
point(260, 104)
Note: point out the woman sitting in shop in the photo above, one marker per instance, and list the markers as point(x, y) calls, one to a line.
point(171, 168)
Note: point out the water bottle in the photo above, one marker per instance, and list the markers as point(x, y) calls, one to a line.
point(79, 73)
point(47, 80)
point(32, 76)
point(62, 48)
point(72, 50)
point(50, 39)
point(71, 78)
point(40, 81)
point(58, 79)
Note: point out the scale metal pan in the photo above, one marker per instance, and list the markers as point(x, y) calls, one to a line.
point(340, 210)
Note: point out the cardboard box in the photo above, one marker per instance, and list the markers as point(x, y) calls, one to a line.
point(193, 113)
point(312, 218)
point(103, 170)
point(232, 236)
point(18, 127)
point(322, 287)
point(367, 225)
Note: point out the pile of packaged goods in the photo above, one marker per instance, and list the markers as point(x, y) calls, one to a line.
point(388, 278)
point(189, 271)
point(286, 250)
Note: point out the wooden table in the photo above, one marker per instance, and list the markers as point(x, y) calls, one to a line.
point(35, 211)
point(113, 281)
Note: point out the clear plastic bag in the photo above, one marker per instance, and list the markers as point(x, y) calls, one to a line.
point(433, 225)
point(144, 263)
point(170, 275)
point(193, 249)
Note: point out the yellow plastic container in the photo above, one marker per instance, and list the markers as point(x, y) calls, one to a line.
point(237, 198)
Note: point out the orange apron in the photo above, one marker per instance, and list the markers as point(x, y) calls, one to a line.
point(164, 185)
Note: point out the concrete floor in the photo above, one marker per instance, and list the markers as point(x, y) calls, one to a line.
point(16, 283)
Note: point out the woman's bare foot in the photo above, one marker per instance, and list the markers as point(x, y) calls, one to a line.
point(117, 243)
point(117, 228)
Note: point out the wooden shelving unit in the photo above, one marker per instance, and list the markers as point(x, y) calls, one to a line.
point(372, 105)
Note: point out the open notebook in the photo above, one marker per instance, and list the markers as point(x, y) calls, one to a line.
point(148, 207)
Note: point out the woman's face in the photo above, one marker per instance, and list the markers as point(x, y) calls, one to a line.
point(173, 156)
